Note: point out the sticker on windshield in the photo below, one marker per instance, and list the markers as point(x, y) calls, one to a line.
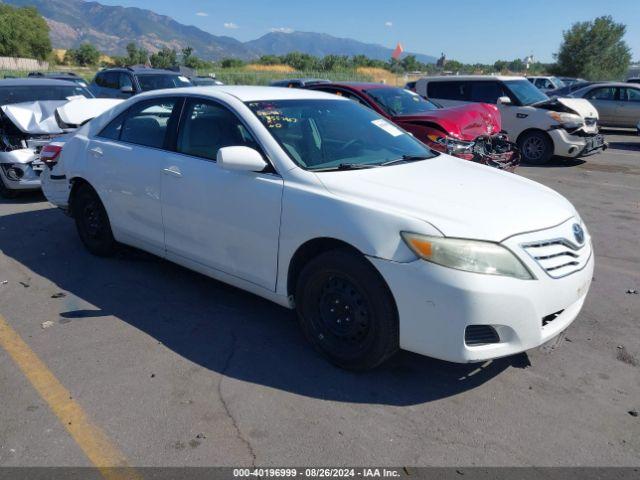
point(387, 127)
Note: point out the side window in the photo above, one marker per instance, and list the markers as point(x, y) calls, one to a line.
point(602, 93)
point(453, 90)
point(110, 80)
point(207, 127)
point(100, 79)
point(486, 92)
point(146, 122)
point(539, 82)
point(125, 80)
point(114, 127)
point(631, 95)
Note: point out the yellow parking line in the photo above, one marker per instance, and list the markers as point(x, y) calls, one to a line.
point(90, 438)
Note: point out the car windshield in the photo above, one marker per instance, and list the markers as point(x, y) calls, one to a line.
point(335, 134)
point(525, 92)
point(19, 94)
point(559, 83)
point(398, 101)
point(157, 81)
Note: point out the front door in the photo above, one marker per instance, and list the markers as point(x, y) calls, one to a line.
point(222, 219)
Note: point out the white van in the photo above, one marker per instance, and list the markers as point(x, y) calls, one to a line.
point(542, 127)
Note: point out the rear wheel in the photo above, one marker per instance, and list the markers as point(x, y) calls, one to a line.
point(7, 192)
point(536, 147)
point(347, 311)
point(92, 222)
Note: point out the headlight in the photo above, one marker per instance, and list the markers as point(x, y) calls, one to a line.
point(567, 120)
point(449, 145)
point(468, 255)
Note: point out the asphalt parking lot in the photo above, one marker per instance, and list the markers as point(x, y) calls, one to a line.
point(171, 368)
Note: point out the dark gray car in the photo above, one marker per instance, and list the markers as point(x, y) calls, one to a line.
point(618, 104)
point(126, 81)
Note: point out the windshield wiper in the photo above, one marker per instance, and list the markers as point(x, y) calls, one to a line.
point(346, 166)
point(406, 158)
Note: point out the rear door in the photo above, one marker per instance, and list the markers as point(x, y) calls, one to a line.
point(127, 159)
point(629, 110)
point(449, 92)
point(222, 219)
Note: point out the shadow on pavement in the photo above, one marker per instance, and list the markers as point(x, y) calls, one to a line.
point(558, 162)
point(217, 326)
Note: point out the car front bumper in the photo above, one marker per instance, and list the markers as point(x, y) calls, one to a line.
point(569, 145)
point(436, 304)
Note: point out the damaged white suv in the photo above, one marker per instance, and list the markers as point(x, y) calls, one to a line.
point(318, 203)
point(32, 113)
point(542, 127)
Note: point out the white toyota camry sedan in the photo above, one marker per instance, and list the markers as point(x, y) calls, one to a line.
point(318, 204)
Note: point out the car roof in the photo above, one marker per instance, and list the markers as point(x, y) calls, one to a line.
point(246, 93)
point(610, 84)
point(36, 81)
point(140, 70)
point(472, 77)
point(358, 86)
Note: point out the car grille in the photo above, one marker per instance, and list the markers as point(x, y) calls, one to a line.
point(559, 257)
point(480, 335)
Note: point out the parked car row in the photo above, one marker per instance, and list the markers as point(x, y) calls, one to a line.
point(319, 204)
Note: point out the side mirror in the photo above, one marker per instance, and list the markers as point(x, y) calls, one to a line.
point(127, 89)
point(242, 159)
point(504, 101)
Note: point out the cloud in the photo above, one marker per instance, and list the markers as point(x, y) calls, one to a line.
point(202, 14)
point(231, 25)
point(388, 24)
point(282, 30)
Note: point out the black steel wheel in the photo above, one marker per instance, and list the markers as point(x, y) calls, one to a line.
point(346, 310)
point(92, 222)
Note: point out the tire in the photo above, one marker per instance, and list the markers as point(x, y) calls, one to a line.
point(92, 222)
point(347, 311)
point(7, 192)
point(536, 147)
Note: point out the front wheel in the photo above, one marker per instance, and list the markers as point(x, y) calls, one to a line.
point(536, 147)
point(92, 222)
point(347, 311)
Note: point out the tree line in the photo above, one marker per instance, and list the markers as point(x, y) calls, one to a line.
point(592, 49)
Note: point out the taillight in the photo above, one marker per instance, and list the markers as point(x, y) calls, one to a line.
point(49, 154)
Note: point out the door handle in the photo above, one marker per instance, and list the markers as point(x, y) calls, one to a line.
point(97, 152)
point(175, 171)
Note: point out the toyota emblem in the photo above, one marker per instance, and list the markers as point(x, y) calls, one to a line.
point(578, 233)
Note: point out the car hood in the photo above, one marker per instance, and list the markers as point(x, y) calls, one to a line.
point(460, 198)
point(580, 106)
point(466, 122)
point(45, 117)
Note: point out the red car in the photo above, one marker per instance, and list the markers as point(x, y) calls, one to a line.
point(472, 132)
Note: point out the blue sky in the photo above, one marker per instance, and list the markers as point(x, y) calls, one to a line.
point(467, 30)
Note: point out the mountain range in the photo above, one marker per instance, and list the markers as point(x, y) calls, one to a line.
point(111, 28)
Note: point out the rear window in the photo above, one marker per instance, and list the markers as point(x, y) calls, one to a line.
point(21, 94)
point(453, 90)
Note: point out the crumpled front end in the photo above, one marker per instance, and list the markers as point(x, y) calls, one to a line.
point(20, 165)
point(492, 150)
